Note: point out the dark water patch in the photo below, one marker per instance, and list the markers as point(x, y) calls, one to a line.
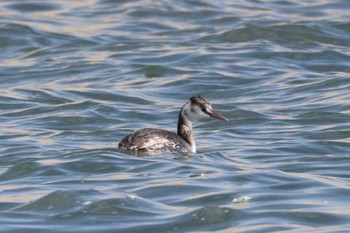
point(290, 35)
point(28, 168)
point(57, 201)
point(33, 7)
point(322, 117)
point(91, 164)
point(46, 96)
point(109, 97)
point(155, 71)
point(15, 38)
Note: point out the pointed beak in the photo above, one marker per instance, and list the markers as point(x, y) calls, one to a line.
point(217, 116)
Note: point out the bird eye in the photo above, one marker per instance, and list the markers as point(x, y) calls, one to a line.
point(204, 110)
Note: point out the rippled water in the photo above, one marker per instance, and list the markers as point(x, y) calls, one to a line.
point(77, 76)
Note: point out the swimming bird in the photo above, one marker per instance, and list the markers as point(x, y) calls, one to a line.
point(152, 141)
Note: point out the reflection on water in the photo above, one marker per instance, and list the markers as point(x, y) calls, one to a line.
point(78, 76)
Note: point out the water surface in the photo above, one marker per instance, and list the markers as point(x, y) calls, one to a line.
point(77, 76)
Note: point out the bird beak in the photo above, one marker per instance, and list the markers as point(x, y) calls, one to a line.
point(217, 116)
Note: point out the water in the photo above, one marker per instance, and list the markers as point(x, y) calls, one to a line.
point(77, 76)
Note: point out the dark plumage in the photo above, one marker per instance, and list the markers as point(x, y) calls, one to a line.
point(158, 140)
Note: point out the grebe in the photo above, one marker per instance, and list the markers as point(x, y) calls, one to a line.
point(150, 140)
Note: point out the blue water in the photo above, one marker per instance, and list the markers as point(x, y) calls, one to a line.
point(77, 76)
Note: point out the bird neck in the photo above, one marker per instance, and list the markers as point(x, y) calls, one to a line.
point(184, 129)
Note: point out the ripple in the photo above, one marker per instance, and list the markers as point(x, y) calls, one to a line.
point(76, 77)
